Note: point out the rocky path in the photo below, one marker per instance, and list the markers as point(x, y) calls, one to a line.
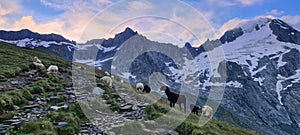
point(130, 108)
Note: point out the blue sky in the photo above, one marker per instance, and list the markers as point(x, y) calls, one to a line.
point(71, 17)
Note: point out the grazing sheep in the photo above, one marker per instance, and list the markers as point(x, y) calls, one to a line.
point(140, 87)
point(52, 69)
point(147, 89)
point(194, 108)
point(207, 111)
point(106, 73)
point(107, 81)
point(122, 81)
point(36, 59)
point(174, 98)
point(38, 66)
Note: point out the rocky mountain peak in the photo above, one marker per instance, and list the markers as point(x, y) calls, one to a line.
point(119, 38)
point(27, 34)
point(285, 32)
point(255, 24)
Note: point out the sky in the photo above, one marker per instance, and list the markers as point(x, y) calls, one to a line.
point(163, 20)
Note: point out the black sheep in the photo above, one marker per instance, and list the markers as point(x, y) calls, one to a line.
point(175, 98)
point(146, 89)
point(194, 108)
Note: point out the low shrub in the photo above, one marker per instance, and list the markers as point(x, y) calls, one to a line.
point(36, 127)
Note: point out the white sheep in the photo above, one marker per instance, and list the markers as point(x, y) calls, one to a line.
point(140, 87)
point(106, 80)
point(36, 59)
point(122, 81)
point(106, 73)
point(52, 69)
point(38, 65)
point(207, 111)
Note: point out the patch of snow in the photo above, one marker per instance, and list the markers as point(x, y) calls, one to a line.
point(259, 80)
point(234, 84)
point(259, 70)
point(290, 85)
point(85, 61)
point(108, 49)
point(249, 26)
point(98, 63)
point(278, 90)
point(127, 75)
point(279, 87)
point(280, 62)
point(69, 48)
point(35, 43)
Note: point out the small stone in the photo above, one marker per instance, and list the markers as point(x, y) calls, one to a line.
point(126, 108)
point(98, 91)
point(14, 82)
point(62, 124)
point(84, 131)
point(172, 132)
point(11, 121)
point(16, 107)
point(135, 107)
point(31, 106)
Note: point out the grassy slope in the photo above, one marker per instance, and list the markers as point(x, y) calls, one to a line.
point(14, 60)
point(191, 126)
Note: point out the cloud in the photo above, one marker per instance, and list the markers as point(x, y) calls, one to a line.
point(27, 22)
point(275, 12)
point(77, 5)
point(231, 24)
point(237, 22)
point(249, 2)
point(64, 26)
point(8, 6)
point(231, 3)
point(7, 9)
point(294, 21)
point(139, 6)
point(70, 24)
point(219, 3)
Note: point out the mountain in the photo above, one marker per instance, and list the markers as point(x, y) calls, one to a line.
point(259, 63)
point(262, 75)
point(53, 43)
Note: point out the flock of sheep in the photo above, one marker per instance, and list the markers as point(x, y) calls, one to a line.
point(173, 97)
point(39, 65)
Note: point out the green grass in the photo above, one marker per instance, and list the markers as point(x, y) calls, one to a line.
point(18, 59)
point(16, 62)
point(73, 115)
point(190, 125)
point(39, 127)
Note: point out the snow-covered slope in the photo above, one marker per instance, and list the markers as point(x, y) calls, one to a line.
point(32, 43)
point(52, 43)
point(267, 56)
